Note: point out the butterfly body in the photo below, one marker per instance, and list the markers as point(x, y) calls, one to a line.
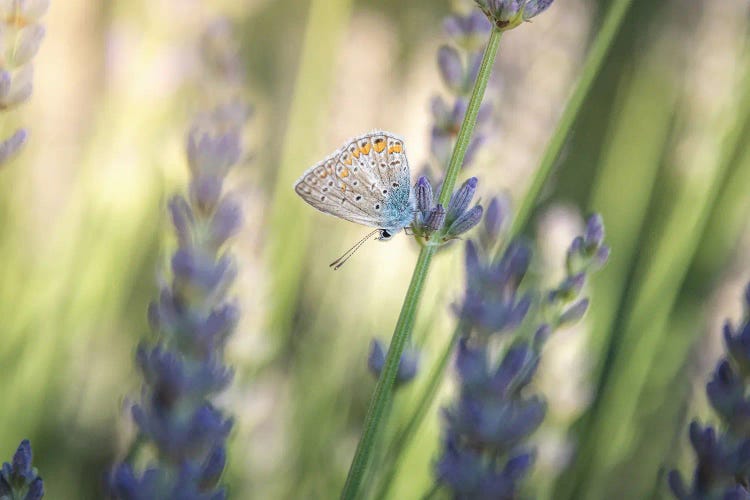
point(367, 181)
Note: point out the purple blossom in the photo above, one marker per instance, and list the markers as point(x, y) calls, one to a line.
point(183, 366)
point(20, 22)
point(486, 428)
point(19, 479)
point(508, 14)
point(722, 453)
point(436, 224)
point(458, 65)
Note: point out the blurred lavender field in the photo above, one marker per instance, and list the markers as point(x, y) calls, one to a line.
point(661, 149)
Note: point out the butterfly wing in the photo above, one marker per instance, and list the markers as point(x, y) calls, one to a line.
point(362, 182)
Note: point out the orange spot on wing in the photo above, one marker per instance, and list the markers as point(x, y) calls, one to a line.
point(379, 145)
point(344, 173)
point(348, 161)
point(396, 148)
point(366, 148)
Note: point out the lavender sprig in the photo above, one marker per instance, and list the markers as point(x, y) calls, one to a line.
point(459, 65)
point(433, 224)
point(508, 14)
point(21, 35)
point(183, 367)
point(485, 450)
point(19, 480)
point(722, 470)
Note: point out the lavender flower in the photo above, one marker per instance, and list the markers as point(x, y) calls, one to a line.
point(458, 66)
point(21, 35)
point(723, 455)
point(408, 366)
point(508, 14)
point(485, 452)
point(183, 367)
point(19, 480)
point(437, 225)
point(587, 253)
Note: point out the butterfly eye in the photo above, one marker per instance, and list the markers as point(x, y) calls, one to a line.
point(385, 234)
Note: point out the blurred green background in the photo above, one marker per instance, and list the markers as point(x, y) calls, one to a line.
point(660, 149)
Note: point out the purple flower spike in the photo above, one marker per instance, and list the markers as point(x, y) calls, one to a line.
point(723, 452)
point(493, 415)
point(19, 479)
point(451, 68)
point(183, 366)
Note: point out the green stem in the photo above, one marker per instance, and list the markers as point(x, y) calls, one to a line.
point(384, 388)
point(591, 68)
point(431, 492)
point(409, 431)
point(470, 119)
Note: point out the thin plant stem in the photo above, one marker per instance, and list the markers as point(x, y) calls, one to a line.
point(470, 119)
point(384, 387)
point(431, 492)
point(591, 68)
point(405, 435)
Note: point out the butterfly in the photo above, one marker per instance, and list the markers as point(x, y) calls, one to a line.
point(366, 181)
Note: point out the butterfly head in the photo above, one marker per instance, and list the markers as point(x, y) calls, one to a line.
point(385, 234)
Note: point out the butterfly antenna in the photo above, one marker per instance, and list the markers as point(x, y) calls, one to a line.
point(341, 260)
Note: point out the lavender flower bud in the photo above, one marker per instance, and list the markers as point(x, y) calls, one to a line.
point(212, 468)
point(182, 219)
point(423, 194)
point(451, 68)
point(594, 235)
point(19, 479)
point(588, 252)
point(460, 200)
point(25, 12)
point(226, 221)
point(468, 31)
point(21, 87)
point(212, 154)
point(205, 191)
point(12, 145)
point(27, 44)
point(535, 7)
point(436, 218)
point(465, 221)
point(408, 365)
point(494, 217)
point(574, 313)
point(508, 14)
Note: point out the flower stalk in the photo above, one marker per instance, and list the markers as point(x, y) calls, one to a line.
point(591, 68)
point(385, 385)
